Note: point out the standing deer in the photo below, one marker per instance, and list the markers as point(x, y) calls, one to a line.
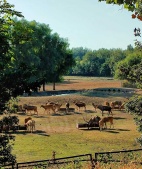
point(80, 104)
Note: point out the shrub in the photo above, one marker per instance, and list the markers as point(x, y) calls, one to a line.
point(128, 84)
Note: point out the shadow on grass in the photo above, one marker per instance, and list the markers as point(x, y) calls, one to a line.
point(25, 132)
point(89, 111)
point(119, 118)
point(90, 129)
point(42, 116)
point(68, 113)
point(42, 133)
point(111, 131)
point(56, 114)
point(123, 130)
point(116, 131)
point(77, 112)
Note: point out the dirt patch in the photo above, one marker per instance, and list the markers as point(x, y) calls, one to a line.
point(81, 84)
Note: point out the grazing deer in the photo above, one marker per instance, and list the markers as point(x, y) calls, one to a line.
point(79, 104)
point(104, 120)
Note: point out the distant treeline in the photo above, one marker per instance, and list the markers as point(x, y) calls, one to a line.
point(103, 62)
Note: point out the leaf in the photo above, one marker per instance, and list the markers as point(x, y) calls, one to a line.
point(126, 6)
point(115, 1)
point(137, 5)
point(12, 59)
point(131, 8)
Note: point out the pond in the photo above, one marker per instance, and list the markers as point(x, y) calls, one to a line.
point(89, 92)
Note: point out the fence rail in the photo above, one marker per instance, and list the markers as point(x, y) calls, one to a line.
point(54, 162)
point(119, 156)
point(104, 157)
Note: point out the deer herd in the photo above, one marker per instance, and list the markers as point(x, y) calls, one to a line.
point(53, 107)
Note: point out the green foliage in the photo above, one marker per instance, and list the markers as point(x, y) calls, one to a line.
point(5, 150)
point(130, 68)
point(79, 52)
point(38, 56)
point(35, 57)
point(9, 120)
point(133, 5)
point(5, 140)
point(129, 84)
point(122, 64)
point(134, 106)
point(101, 62)
point(6, 21)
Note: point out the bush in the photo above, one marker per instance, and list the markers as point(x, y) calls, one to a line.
point(129, 84)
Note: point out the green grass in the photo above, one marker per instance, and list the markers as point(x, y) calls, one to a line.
point(59, 133)
point(65, 139)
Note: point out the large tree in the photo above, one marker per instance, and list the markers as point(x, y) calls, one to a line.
point(6, 22)
point(39, 56)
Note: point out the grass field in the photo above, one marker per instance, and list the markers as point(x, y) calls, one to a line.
point(58, 132)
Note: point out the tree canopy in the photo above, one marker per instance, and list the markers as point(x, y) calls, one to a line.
point(6, 22)
point(134, 6)
point(34, 56)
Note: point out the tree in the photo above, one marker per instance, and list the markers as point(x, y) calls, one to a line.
point(126, 68)
point(62, 58)
point(80, 52)
point(130, 48)
point(6, 22)
point(116, 55)
point(105, 70)
point(93, 63)
point(38, 55)
point(6, 14)
point(29, 53)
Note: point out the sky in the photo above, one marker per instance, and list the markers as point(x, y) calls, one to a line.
point(85, 23)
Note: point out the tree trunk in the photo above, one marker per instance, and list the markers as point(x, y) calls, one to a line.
point(53, 85)
point(43, 86)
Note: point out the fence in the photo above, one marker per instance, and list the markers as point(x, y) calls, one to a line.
point(124, 156)
point(55, 162)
